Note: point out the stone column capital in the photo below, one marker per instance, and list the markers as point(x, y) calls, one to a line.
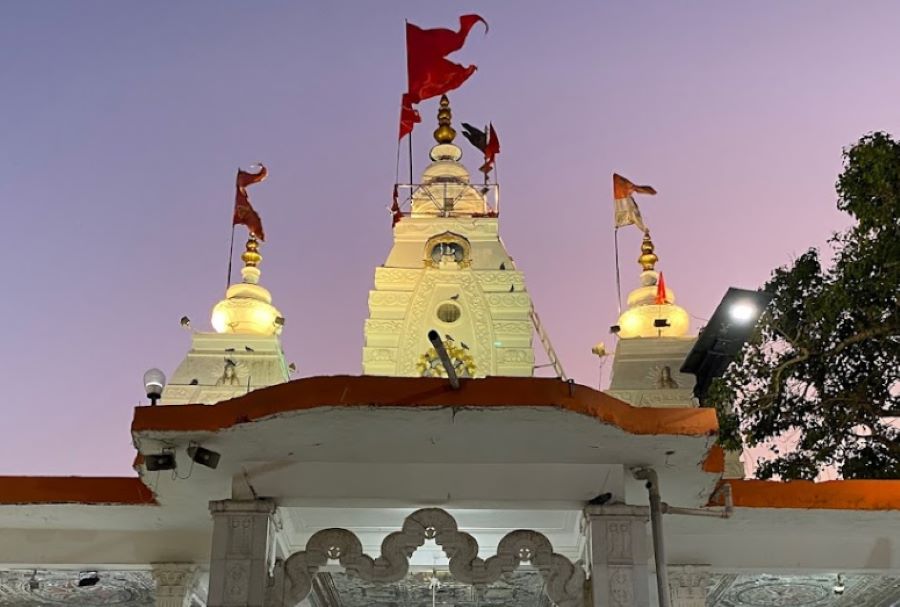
point(688, 585)
point(174, 583)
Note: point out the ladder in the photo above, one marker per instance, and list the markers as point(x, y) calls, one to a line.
point(548, 347)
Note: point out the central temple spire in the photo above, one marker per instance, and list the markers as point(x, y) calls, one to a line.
point(449, 272)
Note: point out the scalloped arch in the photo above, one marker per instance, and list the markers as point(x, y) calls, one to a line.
point(563, 580)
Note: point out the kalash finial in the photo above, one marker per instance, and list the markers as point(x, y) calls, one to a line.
point(444, 133)
point(648, 258)
point(251, 256)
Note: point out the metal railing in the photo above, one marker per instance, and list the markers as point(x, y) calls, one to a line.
point(446, 195)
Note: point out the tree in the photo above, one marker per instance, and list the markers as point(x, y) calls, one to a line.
point(823, 368)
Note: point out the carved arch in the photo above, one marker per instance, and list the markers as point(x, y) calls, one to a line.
point(563, 580)
point(448, 238)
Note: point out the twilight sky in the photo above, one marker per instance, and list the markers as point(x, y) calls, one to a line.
point(122, 123)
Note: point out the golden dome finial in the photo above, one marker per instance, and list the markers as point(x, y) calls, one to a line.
point(444, 133)
point(648, 258)
point(251, 254)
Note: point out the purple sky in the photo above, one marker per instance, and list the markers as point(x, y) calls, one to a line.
point(121, 126)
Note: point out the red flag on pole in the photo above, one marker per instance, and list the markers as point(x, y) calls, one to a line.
point(428, 70)
point(491, 149)
point(396, 213)
point(661, 290)
point(244, 213)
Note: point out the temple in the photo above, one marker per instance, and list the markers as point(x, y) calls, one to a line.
point(448, 472)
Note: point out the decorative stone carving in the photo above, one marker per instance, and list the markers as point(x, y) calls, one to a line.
point(688, 584)
point(516, 355)
point(677, 397)
point(514, 327)
point(413, 333)
point(483, 227)
point(383, 326)
point(174, 584)
point(396, 299)
point(501, 280)
point(43, 588)
point(379, 355)
point(240, 551)
point(619, 554)
point(564, 581)
point(397, 279)
point(509, 300)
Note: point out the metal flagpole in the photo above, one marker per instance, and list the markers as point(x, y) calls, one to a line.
point(230, 256)
point(618, 279)
point(410, 161)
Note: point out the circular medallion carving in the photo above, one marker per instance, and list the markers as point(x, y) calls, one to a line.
point(783, 594)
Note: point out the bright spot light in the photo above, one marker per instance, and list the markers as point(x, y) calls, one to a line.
point(742, 311)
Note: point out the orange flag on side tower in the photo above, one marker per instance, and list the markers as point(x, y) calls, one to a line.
point(661, 290)
point(244, 213)
point(627, 211)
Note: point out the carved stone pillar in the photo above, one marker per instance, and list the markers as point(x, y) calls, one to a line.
point(687, 585)
point(617, 537)
point(240, 548)
point(174, 583)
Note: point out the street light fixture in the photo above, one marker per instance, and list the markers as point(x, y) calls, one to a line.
point(722, 338)
point(154, 382)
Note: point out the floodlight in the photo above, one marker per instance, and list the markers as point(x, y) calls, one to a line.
point(435, 338)
point(722, 338)
point(742, 311)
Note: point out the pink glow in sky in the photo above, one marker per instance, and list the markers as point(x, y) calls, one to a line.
point(121, 126)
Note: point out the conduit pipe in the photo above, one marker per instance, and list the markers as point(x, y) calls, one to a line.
point(441, 350)
point(659, 546)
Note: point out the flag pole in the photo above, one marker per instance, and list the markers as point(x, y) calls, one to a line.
point(410, 161)
point(406, 29)
point(618, 279)
point(230, 257)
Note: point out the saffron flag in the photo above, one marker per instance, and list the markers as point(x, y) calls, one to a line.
point(429, 72)
point(627, 211)
point(661, 290)
point(244, 213)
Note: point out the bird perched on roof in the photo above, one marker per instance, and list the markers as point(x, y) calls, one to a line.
point(600, 499)
point(475, 136)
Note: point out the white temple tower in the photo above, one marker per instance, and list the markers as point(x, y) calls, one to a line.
point(449, 271)
point(243, 352)
point(653, 341)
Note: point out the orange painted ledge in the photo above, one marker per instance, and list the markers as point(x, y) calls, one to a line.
point(370, 391)
point(830, 495)
point(74, 490)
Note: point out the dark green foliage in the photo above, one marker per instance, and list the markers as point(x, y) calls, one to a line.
point(823, 368)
